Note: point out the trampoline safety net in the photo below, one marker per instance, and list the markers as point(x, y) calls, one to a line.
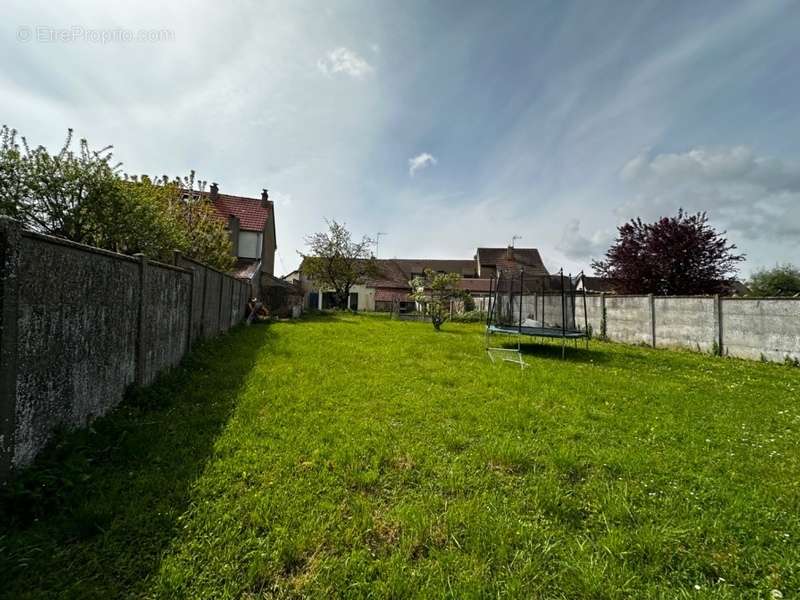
point(534, 306)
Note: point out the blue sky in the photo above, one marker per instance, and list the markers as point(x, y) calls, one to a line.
point(447, 125)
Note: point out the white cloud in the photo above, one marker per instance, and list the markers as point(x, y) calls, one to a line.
point(344, 60)
point(734, 164)
point(576, 246)
point(755, 197)
point(419, 162)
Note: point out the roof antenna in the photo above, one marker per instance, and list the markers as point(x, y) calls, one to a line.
point(514, 239)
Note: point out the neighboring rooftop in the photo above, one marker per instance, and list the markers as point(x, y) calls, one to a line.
point(529, 258)
point(251, 212)
point(245, 268)
point(597, 284)
point(252, 216)
point(397, 272)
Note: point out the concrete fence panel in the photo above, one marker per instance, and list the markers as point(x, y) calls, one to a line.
point(226, 299)
point(78, 325)
point(550, 309)
point(236, 301)
point(211, 303)
point(629, 319)
point(761, 327)
point(593, 312)
point(167, 295)
point(198, 291)
point(686, 322)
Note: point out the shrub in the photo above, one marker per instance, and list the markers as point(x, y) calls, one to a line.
point(472, 316)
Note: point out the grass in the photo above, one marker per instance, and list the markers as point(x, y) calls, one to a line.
point(361, 457)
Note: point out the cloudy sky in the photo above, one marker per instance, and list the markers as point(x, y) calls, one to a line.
point(446, 125)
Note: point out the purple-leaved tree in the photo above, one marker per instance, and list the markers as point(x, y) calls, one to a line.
point(674, 255)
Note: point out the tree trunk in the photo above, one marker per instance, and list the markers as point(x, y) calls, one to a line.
point(341, 299)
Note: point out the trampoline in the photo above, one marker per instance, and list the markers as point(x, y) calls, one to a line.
point(533, 306)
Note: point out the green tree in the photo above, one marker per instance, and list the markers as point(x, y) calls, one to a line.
point(435, 292)
point(204, 233)
point(57, 194)
point(138, 215)
point(80, 195)
point(12, 182)
point(337, 262)
point(780, 280)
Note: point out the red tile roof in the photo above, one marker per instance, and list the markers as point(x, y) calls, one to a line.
point(474, 285)
point(252, 216)
point(503, 258)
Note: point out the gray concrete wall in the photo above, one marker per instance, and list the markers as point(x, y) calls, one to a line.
point(235, 303)
point(686, 322)
point(211, 303)
point(78, 325)
point(628, 319)
point(198, 292)
point(549, 311)
point(226, 299)
point(594, 312)
point(167, 294)
point(77, 328)
point(756, 327)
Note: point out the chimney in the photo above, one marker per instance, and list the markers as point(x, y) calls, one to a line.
point(213, 192)
point(510, 253)
point(264, 198)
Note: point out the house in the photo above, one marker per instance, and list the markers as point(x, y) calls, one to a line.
point(488, 260)
point(595, 285)
point(251, 225)
point(362, 296)
point(391, 287)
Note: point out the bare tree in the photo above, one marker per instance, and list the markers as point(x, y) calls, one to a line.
point(335, 261)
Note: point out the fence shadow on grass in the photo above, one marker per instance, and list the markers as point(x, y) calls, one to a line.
point(93, 516)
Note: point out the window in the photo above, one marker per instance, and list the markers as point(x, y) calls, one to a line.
point(249, 244)
point(328, 300)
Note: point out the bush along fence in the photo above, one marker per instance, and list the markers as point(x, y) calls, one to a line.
point(79, 325)
point(752, 328)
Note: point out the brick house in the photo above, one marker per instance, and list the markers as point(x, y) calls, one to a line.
point(251, 225)
point(391, 286)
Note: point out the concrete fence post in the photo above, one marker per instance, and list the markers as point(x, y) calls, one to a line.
point(603, 318)
point(192, 283)
point(238, 302)
point(652, 301)
point(718, 318)
point(176, 260)
point(219, 305)
point(203, 303)
point(141, 342)
point(10, 237)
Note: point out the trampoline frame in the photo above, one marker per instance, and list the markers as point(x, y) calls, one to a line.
point(568, 298)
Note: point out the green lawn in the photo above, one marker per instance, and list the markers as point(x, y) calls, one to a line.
point(362, 457)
